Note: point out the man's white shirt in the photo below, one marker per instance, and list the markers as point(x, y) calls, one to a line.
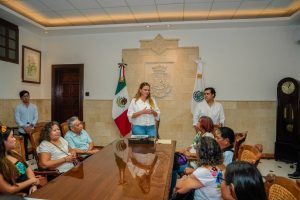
point(215, 112)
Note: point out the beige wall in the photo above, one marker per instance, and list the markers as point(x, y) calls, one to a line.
point(7, 108)
point(258, 118)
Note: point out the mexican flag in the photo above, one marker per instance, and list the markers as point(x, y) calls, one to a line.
point(121, 103)
point(198, 92)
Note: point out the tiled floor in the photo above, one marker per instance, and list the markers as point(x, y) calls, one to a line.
point(276, 167)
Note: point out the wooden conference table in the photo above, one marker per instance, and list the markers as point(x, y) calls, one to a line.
point(119, 171)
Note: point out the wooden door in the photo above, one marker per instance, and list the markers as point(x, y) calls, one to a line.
point(67, 91)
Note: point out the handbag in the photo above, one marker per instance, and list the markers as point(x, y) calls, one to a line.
point(179, 159)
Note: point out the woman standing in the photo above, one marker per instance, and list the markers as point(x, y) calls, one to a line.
point(15, 174)
point(54, 150)
point(143, 112)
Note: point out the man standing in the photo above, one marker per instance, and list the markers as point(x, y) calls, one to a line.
point(26, 116)
point(209, 107)
point(78, 139)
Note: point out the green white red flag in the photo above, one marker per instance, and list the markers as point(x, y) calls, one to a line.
point(121, 103)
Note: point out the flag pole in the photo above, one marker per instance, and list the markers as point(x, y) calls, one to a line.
point(121, 103)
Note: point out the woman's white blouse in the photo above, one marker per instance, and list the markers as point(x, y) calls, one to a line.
point(144, 119)
point(56, 153)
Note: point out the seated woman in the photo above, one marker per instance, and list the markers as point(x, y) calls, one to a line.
point(54, 150)
point(205, 127)
point(15, 174)
point(205, 179)
point(225, 138)
point(242, 181)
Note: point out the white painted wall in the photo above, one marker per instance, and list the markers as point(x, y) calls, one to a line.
point(241, 63)
point(11, 74)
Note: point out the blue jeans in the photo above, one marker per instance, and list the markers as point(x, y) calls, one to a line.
point(144, 130)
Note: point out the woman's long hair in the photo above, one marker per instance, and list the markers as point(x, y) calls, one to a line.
point(45, 134)
point(138, 94)
point(247, 181)
point(8, 170)
point(209, 152)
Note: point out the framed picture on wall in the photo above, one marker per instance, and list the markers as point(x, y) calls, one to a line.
point(31, 65)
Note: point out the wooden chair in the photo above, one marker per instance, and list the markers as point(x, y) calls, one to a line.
point(239, 139)
point(20, 147)
point(35, 141)
point(282, 188)
point(249, 153)
point(64, 128)
point(38, 127)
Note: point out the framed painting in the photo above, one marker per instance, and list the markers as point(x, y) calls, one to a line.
point(31, 65)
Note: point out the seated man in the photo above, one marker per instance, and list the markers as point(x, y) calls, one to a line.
point(78, 139)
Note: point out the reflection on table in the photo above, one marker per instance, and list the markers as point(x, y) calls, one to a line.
point(141, 162)
point(119, 171)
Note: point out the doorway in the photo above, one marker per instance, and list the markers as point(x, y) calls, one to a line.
point(67, 92)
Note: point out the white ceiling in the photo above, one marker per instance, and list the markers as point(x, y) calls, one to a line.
point(110, 15)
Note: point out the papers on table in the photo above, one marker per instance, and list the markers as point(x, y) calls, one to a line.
point(163, 141)
point(139, 136)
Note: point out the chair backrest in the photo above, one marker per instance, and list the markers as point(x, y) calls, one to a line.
point(39, 126)
point(250, 153)
point(278, 187)
point(239, 139)
point(64, 128)
point(20, 147)
point(35, 141)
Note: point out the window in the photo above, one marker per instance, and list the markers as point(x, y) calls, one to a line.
point(9, 42)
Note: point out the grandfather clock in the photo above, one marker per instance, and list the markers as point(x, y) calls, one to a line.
point(288, 120)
